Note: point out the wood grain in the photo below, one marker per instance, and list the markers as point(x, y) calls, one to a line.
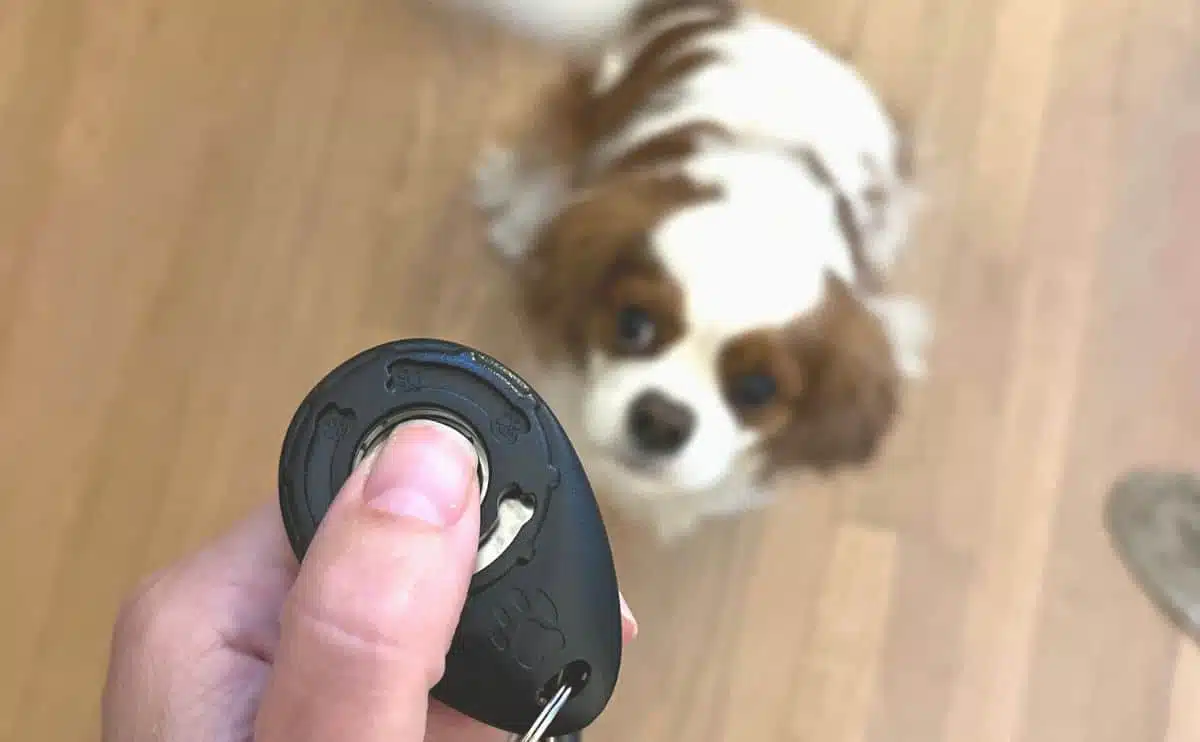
point(206, 205)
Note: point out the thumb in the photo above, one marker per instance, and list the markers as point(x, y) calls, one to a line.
point(367, 626)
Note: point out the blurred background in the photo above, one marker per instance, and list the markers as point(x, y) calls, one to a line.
point(207, 204)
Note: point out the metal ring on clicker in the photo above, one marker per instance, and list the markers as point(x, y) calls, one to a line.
point(376, 437)
point(356, 405)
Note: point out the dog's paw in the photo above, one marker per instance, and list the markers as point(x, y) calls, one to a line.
point(496, 178)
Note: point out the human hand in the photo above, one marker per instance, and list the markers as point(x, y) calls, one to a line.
point(239, 643)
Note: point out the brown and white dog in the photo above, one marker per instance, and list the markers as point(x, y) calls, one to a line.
point(702, 216)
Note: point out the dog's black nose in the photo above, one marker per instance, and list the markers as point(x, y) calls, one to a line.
point(658, 424)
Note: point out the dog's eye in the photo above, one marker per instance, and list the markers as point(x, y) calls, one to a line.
point(753, 390)
point(636, 330)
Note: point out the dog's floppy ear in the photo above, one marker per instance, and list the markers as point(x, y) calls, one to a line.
point(850, 393)
point(595, 238)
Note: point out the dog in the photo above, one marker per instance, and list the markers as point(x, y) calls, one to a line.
point(702, 216)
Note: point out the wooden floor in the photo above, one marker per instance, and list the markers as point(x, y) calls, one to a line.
point(205, 205)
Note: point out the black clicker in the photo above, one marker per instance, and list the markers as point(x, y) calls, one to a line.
point(538, 648)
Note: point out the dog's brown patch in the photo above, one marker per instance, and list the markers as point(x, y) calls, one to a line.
point(575, 119)
point(671, 146)
point(662, 61)
point(762, 353)
point(594, 259)
point(836, 380)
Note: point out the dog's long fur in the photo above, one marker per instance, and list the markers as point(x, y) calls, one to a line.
point(703, 215)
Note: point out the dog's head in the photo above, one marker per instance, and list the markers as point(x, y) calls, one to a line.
point(713, 317)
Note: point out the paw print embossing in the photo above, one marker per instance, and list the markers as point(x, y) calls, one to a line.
point(510, 427)
point(334, 423)
point(527, 628)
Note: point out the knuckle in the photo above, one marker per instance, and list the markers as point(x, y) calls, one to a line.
point(350, 643)
point(345, 631)
point(138, 608)
point(147, 613)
